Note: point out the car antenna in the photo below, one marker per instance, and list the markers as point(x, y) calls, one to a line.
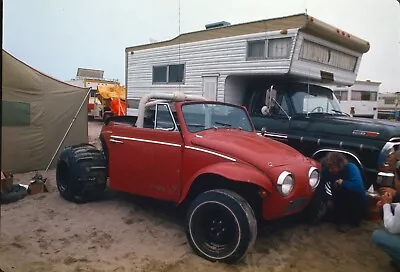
point(179, 44)
point(308, 91)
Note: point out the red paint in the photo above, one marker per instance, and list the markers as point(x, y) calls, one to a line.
point(164, 164)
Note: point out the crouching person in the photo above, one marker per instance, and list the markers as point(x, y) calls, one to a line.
point(346, 185)
point(388, 239)
point(394, 165)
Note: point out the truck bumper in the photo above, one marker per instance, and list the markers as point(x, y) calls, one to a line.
point(385, 179)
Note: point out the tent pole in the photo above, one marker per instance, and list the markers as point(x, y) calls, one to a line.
point(69, 128)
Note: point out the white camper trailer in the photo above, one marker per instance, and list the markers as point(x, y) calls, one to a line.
point(360, 99)
point(225, 62)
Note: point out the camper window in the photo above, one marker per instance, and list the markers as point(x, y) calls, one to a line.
point(256, 49)
point(175, 73)
point(279, 48)
point(341, 95)
point(159, 74)
point(363, 96)
point(168, 73)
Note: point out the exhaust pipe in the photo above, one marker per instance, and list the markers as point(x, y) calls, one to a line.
point(161, 97)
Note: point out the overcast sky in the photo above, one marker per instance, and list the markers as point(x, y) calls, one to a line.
point(58, 36)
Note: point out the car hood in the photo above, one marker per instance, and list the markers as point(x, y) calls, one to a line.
point(351, 126)
point(249, 147)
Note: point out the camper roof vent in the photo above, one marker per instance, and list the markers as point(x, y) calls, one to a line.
point(217, 24)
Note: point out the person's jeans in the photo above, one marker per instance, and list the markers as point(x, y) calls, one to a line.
point(348, 206)
point(389, 243)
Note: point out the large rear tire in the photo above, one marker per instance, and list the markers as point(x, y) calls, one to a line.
point(81, 173)
point(221, 226)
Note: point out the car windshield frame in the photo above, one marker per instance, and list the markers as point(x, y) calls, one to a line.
point(195, 120)
point(327, 100)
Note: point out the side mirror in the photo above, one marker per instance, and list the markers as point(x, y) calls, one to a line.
point(263, 131)
point(270, 98)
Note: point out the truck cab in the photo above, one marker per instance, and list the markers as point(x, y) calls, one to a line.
point(308, 117)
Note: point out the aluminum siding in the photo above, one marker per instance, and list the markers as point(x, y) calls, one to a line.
point(225, 56)
point(312, 69)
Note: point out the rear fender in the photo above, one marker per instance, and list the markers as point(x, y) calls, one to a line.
point(232, 171)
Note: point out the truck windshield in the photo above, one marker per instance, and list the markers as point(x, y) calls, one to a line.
point(202, 116)
point(316, 100)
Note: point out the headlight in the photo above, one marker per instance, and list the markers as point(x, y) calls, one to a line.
point(313, 177)
point(285, 183)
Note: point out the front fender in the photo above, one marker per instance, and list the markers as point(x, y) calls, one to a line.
point(233, 171)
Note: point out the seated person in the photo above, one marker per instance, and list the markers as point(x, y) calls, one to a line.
point(347, 187)
point(393, 160)
point(388, 239)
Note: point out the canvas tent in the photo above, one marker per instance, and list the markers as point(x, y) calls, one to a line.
point(36, 112)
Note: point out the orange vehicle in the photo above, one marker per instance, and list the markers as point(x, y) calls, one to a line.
point(110, 101)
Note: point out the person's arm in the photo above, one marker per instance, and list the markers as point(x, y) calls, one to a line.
point(355, 180)
point(390, 220)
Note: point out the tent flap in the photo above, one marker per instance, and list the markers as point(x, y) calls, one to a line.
point(37, 111)
point(16, 113)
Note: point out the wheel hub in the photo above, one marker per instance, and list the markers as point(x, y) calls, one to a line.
point(217, 231)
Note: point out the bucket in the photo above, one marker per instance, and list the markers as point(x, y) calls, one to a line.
point(373, 212)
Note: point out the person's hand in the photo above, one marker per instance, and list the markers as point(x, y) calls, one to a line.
point(386, 199)
point(379, 204)
point(339, 181)
point(388, 190)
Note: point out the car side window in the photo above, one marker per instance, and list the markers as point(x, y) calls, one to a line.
point(163, 118)
point(281, 99)
point(259, 102)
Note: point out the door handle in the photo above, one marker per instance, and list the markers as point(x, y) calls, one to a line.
point(116, 141)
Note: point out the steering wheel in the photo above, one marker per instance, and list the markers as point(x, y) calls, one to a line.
point(318, 108)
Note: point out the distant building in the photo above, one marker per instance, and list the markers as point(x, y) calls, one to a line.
point(388, 105)
point(360, 99)
point(92, 78)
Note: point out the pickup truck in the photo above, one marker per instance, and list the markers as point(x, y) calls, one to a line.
point(308, 118)
point(202, 155)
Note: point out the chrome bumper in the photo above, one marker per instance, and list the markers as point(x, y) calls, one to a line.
point(385, 179)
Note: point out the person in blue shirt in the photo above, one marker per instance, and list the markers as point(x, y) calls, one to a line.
point(344, 181)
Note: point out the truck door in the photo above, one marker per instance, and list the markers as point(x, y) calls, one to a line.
point(152, 157)
point(277, 123)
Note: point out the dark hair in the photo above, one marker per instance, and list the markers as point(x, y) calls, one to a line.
point(335, 159)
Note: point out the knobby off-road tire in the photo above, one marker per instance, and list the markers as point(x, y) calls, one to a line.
point(81, 173)
point(221, 226)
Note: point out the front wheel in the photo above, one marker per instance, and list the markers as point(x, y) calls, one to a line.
point(221, 226)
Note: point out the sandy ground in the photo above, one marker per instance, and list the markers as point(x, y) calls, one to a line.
point(124, 233)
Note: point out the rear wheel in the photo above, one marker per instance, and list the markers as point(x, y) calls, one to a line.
point(221, 226)
point(81, 173)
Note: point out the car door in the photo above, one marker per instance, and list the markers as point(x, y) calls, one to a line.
point(277, 123)
point(151, 158)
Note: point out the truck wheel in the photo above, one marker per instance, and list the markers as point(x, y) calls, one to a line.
point(317, 208)
point(81, 173)
point(221, 226)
